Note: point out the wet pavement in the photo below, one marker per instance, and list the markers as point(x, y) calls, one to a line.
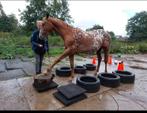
point(17, 93)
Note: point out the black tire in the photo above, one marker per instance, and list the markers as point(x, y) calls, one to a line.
point(80, 69)
point(109, 80)
point(125, 76)
point(90, 83)
point(90, 67)
point(63, 71)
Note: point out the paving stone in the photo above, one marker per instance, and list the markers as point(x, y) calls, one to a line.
point(25, 59)
point(20, 95)
point(39, 101)
point(29, 68)
point(14, 102)
point(8, 88)
point(102, 89)
point(11, 74)
point(138, 72)
point(125, 103)
point(136, 92)
point(61, 80)
point(11, 96)
point(13, 64)
point(2, 66)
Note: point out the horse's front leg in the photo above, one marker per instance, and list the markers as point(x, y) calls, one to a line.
point(64, 54)
point(71, 59)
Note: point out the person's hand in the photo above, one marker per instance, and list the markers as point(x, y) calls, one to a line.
point(40, 45)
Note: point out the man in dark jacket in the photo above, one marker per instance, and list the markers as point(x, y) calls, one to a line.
point(40, 47)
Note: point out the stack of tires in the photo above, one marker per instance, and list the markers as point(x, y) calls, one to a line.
point(109, 80)
point(63, 71)
point(115, 78)
point(80, 69)
point(125, 76)
point(90, 83)
point(90, 67)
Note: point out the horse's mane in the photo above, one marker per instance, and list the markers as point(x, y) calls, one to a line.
point(57, 20)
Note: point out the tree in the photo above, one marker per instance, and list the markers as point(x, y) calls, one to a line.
point(137, 26)
point(2, 13)
point(112, 35)
point(95, 27)
point(59, 9)
point(37, 9)
point(7, 23)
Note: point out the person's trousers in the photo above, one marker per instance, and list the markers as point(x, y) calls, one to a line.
point(39, 60)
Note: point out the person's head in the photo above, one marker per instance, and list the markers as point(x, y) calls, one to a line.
point(39, 25)
point(46, 26)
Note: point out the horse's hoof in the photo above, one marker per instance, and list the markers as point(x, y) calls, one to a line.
point(70, 79)
point(49, 69)
point(106, 71)
point(46, 73)
point(96, 73)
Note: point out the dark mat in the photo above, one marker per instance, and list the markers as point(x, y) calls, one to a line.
point(71, 90)
point(66, 101)
point(45, 87)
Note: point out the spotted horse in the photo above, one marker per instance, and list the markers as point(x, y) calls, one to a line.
point(76, 41)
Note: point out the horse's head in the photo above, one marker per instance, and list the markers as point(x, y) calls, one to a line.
point(45, 27)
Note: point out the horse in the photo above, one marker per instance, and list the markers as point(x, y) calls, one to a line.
point(76, 41)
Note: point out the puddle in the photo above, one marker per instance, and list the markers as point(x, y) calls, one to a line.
point(138, 67)
point(141, 61)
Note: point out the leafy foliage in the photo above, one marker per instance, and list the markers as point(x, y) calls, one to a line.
point(8, 23)
point(112, 35)
point(37, 9)
point(12, 46)
point(137, 26)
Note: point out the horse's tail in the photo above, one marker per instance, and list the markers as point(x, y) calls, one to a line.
point(107, 41)
point(108, 36)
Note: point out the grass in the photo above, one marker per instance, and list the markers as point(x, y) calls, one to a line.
point(128, 47)
point(54, 51)
point(12, 46)
point(55, 41)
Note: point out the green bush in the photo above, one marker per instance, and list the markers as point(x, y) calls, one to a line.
point(56, 51)
point(143, 48)
point(6, 35)
point(12, 46)
point(55, 41)
point(124, 47)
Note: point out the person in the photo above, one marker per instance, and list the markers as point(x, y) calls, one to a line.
point(40, 47)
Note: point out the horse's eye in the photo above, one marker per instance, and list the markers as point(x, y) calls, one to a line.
point(43, 24)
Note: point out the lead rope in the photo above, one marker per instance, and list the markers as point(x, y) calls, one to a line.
point(48, 54)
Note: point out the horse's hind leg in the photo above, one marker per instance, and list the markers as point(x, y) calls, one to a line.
point(106, 53)
point(99, 57)
point(71, 59)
